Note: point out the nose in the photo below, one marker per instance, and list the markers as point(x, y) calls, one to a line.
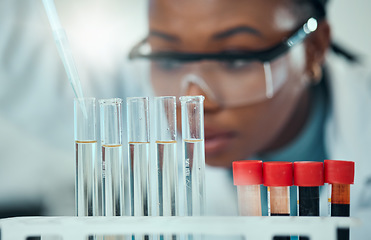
point(193, 85)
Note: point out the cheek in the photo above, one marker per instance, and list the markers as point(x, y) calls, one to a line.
point(258, 125)
point(254, 125)
point(262, 123)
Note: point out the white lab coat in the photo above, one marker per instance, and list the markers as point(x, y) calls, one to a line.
point(347, 137)
point(348, 133)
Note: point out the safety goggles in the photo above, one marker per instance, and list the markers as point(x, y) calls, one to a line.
point(228, 78)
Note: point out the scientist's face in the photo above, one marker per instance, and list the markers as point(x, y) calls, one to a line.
point(207, 26)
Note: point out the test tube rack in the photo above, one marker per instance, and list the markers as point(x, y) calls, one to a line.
point(263, 228)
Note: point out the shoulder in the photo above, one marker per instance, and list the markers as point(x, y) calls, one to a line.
point(348, 127)
point(348, 122)
point(349, 85)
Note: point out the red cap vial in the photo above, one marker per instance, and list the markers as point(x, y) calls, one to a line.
point(308, 174)
point(247, 172)
point(277, 174)
point(339, 172)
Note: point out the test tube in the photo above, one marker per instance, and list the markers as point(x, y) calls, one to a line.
point(194, 153)
point(339, 175)
point(248, 176)
point(111, 137)
point(277, 176)
point(87, 168)
point(138, 139)
point(308, 176)
point(166, 133)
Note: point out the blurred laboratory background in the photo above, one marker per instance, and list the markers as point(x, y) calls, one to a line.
point(36, 100)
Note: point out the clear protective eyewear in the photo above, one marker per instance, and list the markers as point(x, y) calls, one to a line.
point(231, 78)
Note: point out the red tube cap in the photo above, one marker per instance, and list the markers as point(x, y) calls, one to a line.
point(247, 172)
point(308, 174)
point(277, 174)
point(340, 172)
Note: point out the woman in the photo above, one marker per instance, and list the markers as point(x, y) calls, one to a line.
point(271, 89)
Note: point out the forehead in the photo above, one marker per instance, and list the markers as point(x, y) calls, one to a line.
point(207, 16)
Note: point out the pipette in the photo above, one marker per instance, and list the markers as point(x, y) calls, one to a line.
point(64, 50)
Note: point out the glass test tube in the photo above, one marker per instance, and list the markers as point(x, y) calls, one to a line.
point(111, 137)
point(194, 153)
point(339, 175)
point(167, 164)
point(138, 138)
point(308, 176)
point(248, 176)
point(278, 178)
point(87, 169)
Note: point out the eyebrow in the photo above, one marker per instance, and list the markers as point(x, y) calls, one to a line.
point(218, 36)
point(168, 37)
point(236, 30)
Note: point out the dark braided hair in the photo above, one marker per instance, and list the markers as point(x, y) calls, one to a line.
point(317, 8)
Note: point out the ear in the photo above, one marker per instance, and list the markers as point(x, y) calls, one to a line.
point(317, 45)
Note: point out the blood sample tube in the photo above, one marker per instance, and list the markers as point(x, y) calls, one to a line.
point(248, 176)
point(277, 176)
point(308, 176)
point(339, 175)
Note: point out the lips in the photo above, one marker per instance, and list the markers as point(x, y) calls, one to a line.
point(217, 141)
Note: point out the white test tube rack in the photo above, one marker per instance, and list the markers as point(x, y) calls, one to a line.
point(263, 228)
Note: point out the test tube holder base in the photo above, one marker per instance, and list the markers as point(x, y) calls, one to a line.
point(262, 228)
